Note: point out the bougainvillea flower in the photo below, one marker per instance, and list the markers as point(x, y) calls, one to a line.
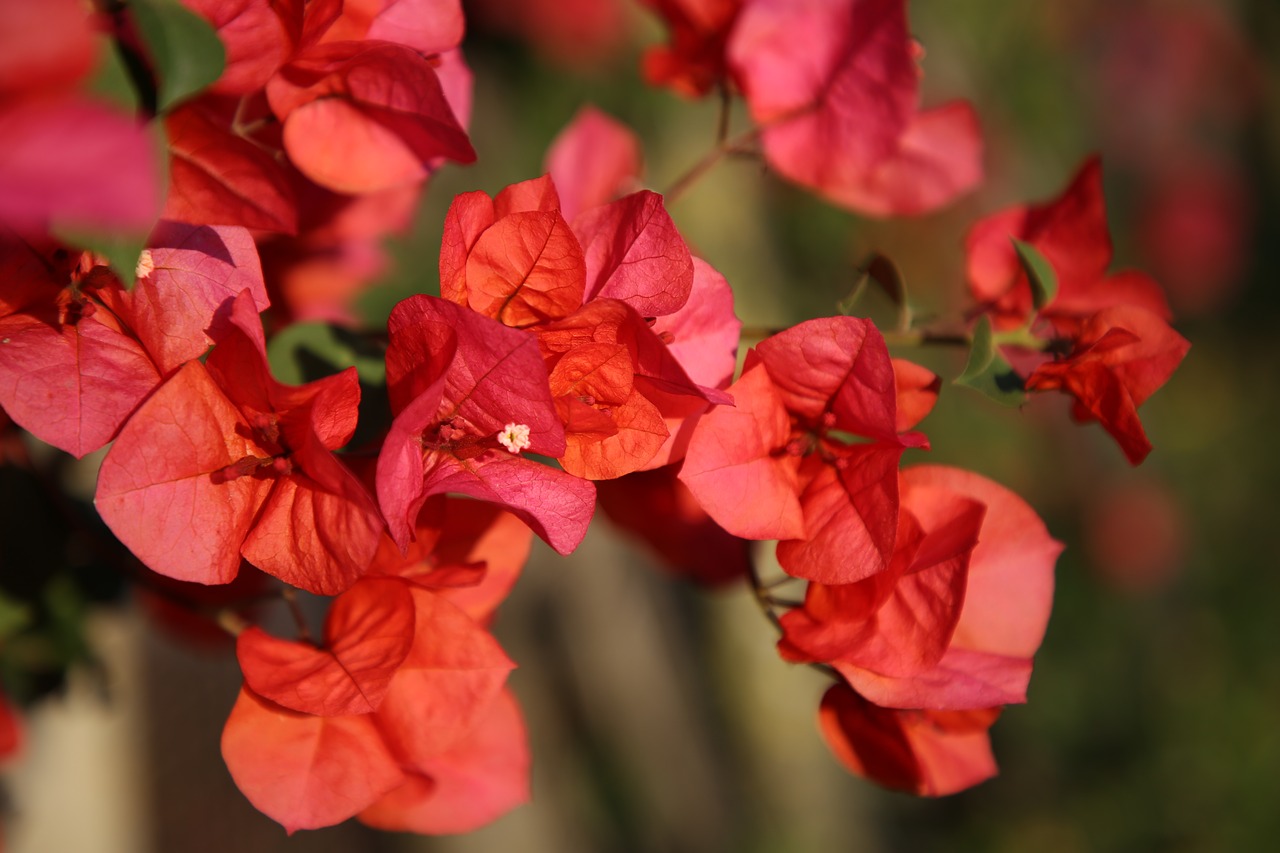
point(1120, 357)
point(514, 258)
point(615, 383)
point(223, 462)
point(478, 779)
point(693, 61)
point(778, 466)
point(927, 753)
point(458, 381)
point(954, 623)
point(80, 352)
point(433, 719)
point(835, 88)
point(338, 109)
point(592, 161)
point(1071, 232)
point(70, 373)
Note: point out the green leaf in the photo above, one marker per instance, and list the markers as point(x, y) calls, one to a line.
point(186, 50)
point(111, 81)
point(121, 249)
point(14, 616)
point(987, 371)
point(1044, 281)
point(307, 351)
point(884, 272)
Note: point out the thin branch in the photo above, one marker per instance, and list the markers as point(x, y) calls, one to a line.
point(737, 145)
point(290, 595)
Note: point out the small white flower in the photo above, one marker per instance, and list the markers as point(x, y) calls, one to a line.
point(146, 265)
point(514, 437)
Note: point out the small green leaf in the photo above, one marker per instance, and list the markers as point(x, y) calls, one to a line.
point(885, 273)
point(112, 83)
point(186, 50)
point(849, 304)
point(1044, 281)
point(120, 248)
point(987, 371)
point(307, 351)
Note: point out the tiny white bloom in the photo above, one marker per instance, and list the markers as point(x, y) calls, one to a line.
point(146, 265)
point(514, 437)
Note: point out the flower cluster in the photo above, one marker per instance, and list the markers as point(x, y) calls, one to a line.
point(576, 344)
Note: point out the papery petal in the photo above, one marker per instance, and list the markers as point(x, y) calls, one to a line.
point(478, 779)
point(217, 176)
point(917, 391)
point(303, 771)
point(850, 517)
point(444, 687)
point(734, 469)
point(558, 506)
point(198, 271)
point(365, 116)
point(72, 385)
point(593, 160)
point(527, 268)
point(963, 680)
point(76, 163)
point(256, 37)
point(1010, 588)
point(634, 253)
point(833, 82)
point(468, 217)
point(938, 158)
point(536, 194)
point(927, 753)
point(161, 490)
point(368, 633)
point(836, 364)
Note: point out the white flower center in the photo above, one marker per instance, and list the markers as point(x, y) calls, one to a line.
point(146, 265)
point(514, 437)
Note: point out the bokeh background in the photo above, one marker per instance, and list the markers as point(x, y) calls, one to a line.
point(661, 718)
